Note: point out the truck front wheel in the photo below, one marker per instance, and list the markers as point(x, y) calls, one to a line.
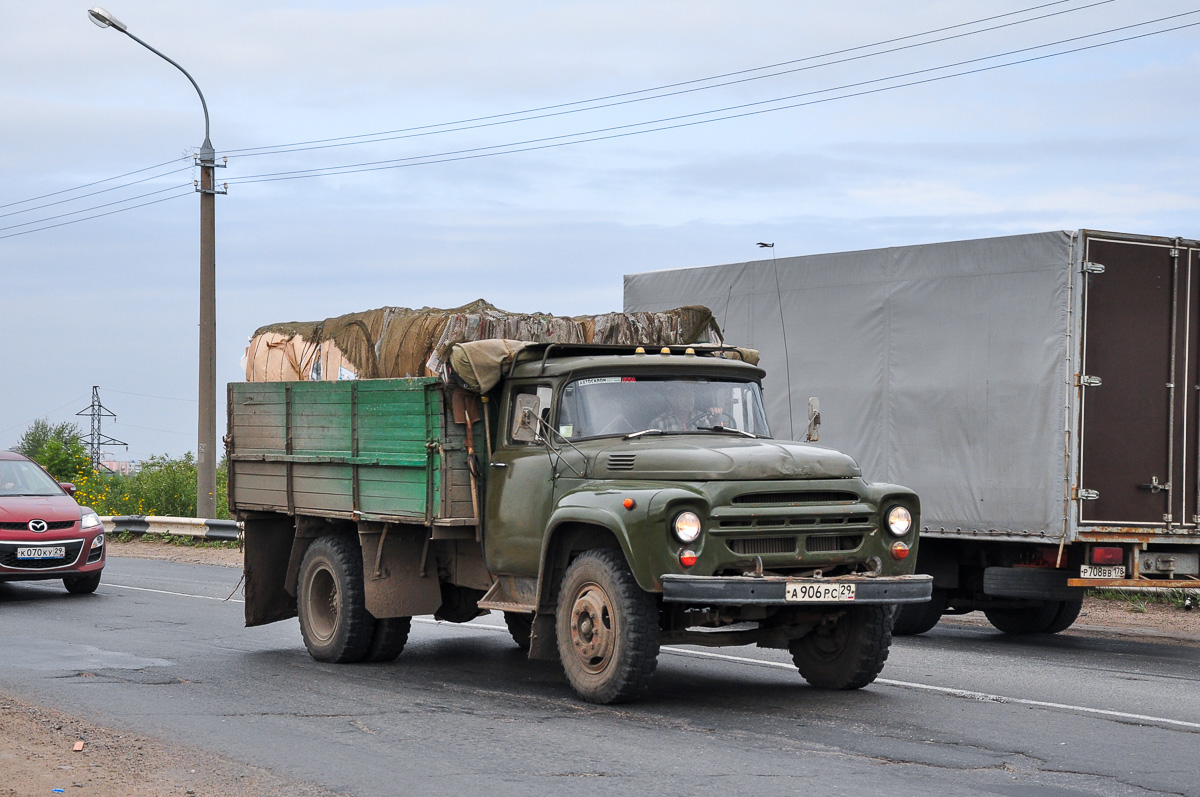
point(846, 653)
point(607, 629)
point(334, 619)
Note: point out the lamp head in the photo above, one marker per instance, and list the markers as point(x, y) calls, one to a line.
point(103, 19)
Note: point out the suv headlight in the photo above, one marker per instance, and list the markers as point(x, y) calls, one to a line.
point(686, 527)
point(90, 520)
point(899, 520)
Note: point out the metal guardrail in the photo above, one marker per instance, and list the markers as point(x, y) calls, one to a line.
point(201, 528)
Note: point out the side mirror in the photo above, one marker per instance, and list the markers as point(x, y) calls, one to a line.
point(68, 488)
point(525, 418)
point(813, 434)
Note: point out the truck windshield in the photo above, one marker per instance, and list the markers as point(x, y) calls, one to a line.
point(620, 405)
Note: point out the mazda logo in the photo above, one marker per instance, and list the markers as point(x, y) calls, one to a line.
point(38, 525)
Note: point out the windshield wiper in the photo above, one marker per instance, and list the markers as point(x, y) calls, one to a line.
point(632, 435)
point(726, 430)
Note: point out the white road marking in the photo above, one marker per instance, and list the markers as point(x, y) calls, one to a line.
point(983, 696)
point(944, 690)
point(168, 592)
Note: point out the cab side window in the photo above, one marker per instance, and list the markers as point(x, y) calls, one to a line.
point(530, 416)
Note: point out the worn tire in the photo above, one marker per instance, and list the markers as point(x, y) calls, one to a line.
point(1068, 613)
point(1033, 620)
point(607, 629)
point(388, 639)
point(334, 620)
point(82, 585)
point(848, 653)
point(917, 618)
point(520, 626)
point(1030, 583)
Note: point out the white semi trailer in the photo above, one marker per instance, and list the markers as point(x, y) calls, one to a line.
point(1041, 393)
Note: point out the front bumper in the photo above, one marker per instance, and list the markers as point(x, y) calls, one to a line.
point(769, 590)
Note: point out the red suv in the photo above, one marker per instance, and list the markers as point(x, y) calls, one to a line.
point(43, 532)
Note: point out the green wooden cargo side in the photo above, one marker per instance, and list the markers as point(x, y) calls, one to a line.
point(375, 449)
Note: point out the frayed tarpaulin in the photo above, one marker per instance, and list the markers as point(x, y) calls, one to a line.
point(399, 342)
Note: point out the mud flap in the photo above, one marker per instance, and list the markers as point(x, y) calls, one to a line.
point(393, 581)
point(267, 551)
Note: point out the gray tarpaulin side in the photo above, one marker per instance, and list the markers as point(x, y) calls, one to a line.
point(942, 367)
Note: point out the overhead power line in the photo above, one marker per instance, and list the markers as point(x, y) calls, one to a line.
point(96, 207)
point(277, 148)
point(95, 193)
point(610, 132)
point(89, 185)
point(628, 97)
point(189, 192)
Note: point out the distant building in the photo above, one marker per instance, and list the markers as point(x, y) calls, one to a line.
point(123, 468)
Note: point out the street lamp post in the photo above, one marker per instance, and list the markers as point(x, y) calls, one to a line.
point(206, 432)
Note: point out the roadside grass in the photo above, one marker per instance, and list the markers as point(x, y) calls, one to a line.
point(175, 539)
point(1140, 602)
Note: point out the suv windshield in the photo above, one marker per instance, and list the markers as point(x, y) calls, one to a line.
point(621, 405)
point(20, 477)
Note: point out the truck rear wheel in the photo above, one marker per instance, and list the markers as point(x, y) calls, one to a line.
point(520, 626)
point(917, 618)
point(334, 619)
point(607, 629)
point(846, 653)
point(388, 639)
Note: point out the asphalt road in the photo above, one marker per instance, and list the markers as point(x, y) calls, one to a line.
point(157, 650)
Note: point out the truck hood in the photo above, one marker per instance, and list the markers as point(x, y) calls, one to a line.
point(693, 457)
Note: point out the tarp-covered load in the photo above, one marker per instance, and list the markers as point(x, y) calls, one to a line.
point(398, 341)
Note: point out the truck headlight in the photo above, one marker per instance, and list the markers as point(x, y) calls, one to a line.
point(686, 527)
point(899, 520)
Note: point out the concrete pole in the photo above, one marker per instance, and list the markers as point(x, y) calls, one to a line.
point(206, 428)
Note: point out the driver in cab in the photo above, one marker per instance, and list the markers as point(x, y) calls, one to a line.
point(681, 414)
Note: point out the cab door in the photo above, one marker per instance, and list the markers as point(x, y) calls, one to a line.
point(520, 490)
point(1138, 384)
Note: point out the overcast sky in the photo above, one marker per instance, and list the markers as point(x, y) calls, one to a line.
point(1103, 138)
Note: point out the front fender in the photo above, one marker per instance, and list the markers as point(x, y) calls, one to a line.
point(641, 530)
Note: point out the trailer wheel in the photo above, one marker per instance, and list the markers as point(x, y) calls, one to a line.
point(1068, 613)
point(1034, 620)
point(334, 619)
point(520, 626)
point(846, 653)
point(917, 618)
point(607, 629)
point(388, 639)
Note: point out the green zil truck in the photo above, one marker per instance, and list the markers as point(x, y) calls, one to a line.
point(606, 500)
